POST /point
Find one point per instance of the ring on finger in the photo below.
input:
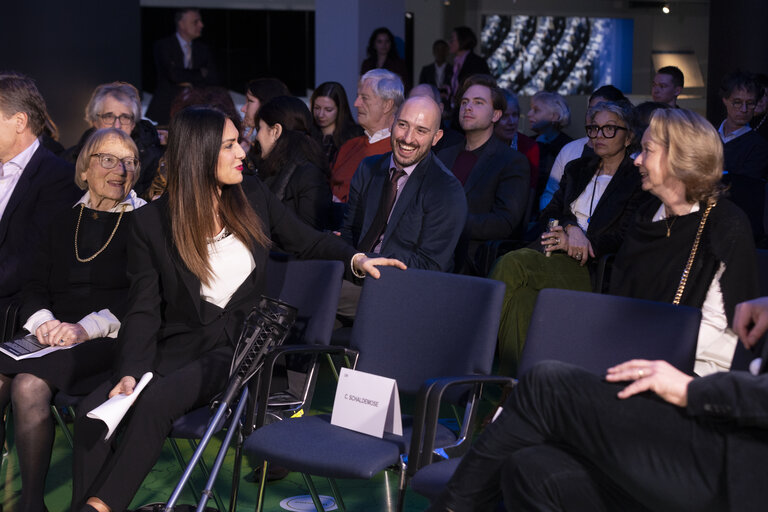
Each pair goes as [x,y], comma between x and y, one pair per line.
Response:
[61,341]
[640,374]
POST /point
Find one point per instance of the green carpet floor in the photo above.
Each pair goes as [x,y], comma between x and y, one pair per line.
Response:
[379,494]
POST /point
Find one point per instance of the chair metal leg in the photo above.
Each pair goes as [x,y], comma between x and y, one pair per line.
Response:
[63,425]
[337,494]
[403,484]
[262,485]
[313,492]
[333,367]
[183,465]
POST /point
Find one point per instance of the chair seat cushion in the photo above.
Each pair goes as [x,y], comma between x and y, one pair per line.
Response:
[430,480]
[194,424]
[312,445]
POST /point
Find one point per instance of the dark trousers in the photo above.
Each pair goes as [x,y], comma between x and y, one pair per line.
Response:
[566,442]
[113,470]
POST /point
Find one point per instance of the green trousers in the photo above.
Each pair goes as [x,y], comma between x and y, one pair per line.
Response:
[526,272]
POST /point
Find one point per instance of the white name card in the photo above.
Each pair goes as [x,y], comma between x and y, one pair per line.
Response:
[367,403]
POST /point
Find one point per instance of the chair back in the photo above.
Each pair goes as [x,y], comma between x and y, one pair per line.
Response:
[597,331]
[417,324]
[312,287]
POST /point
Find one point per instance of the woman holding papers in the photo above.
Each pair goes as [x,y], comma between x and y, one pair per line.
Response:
[196,264]
[78,294]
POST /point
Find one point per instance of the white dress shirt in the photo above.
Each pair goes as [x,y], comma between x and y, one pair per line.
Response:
[10,173]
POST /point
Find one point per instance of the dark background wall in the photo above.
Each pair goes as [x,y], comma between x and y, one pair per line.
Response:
[247,44]
[69,48]
[737,39]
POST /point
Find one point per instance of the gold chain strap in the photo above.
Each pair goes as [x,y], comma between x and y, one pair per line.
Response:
[77,232]
[687,271]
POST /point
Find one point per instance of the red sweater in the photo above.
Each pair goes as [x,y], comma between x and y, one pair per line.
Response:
[348,160]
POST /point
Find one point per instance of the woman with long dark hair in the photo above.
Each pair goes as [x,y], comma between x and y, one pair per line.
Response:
[196,263]
[333,118]
[291,161]
[382,53]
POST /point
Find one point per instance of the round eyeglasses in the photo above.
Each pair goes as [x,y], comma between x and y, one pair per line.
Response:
[108,161]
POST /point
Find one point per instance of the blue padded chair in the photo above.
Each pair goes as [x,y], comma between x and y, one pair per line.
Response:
[312,287]
[595,332]
[410,326]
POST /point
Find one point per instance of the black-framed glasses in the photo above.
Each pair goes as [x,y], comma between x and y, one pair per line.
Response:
[109,161]
[109,118]
[608,130]
[738,104]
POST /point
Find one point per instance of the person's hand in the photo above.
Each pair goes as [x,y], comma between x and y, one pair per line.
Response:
[750,321]
[124,387]
[43,332]
[658,376]
[64,335]
[365,265]
[578,245]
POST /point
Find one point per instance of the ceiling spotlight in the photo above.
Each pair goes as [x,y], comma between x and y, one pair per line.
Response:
[665,9]
[446,2]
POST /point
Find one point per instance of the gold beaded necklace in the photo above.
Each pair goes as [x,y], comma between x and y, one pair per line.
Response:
[111,236]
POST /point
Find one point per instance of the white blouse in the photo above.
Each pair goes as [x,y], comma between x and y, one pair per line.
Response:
[584,205]
[231,262]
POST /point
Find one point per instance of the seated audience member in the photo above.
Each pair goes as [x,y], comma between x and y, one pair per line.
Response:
[181,61]
[50,137]
[681,164]
[379,95]
[118,105]
[667,85]
[196,264]
[576,148]
[257,93]
[291,163]
[35,185]
[650,438]
[333,118]
[594,204]
[450,136]
[78,292]
[745,152]
[548,115]
[466,62]
[506,130]
[382,54]
[644,111]
[439,72]
[761,109]
[405,204]
[495,177]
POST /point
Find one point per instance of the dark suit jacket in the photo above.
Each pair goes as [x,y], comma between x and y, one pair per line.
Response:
[428,75]
[45,188]
[736,403]
[612,214]
[168,324]
[304,188]
[169,66]
[496,190]
[427,218]
[473,65]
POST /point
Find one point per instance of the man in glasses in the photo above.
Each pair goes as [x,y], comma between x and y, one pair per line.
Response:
[744,150]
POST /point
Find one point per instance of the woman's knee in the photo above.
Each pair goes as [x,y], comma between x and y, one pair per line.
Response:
[29,390]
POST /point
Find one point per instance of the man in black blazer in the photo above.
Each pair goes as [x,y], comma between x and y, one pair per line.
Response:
[180,60]
[439,72]
[651,438]
[495,177]
[34,184]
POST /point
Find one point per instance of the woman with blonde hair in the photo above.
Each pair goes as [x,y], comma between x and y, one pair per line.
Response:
[689,245]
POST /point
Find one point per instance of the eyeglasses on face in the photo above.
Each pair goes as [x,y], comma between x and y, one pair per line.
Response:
[108,161]
[109,118]
[608,130]
[738,104]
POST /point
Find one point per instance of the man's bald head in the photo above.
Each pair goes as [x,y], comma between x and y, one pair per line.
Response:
[415,130]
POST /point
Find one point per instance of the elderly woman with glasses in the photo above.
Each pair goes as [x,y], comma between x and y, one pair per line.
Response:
[118,105]
[74,301]
[596,200]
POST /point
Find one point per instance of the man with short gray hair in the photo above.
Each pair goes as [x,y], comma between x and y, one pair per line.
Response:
[379,95]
